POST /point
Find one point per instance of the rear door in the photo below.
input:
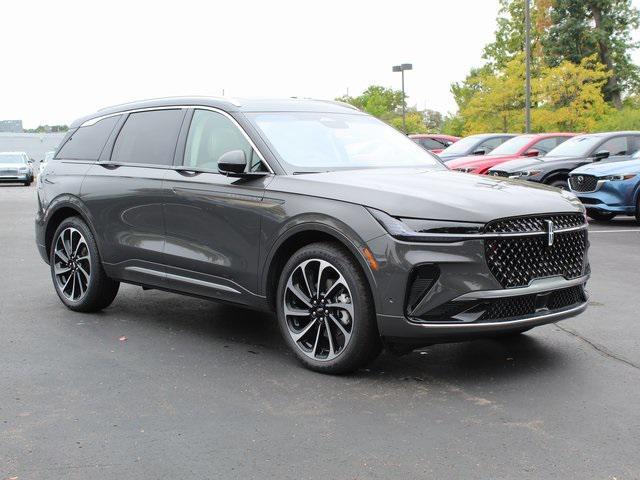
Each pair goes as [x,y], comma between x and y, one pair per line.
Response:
[213,221]
[124,194]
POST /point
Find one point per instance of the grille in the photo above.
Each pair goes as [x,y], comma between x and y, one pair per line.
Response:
[8,173]
[515,261]
[505,308]
[534,223]
[583,183]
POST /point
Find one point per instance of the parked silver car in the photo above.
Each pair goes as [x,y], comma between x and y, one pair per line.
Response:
[16,167]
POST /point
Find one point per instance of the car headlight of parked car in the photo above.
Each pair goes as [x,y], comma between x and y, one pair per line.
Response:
[618,178]
[525,174]
[23,170]
[464,169]
[424,230]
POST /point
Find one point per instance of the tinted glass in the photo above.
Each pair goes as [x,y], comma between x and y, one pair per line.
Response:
[512,146]
[148,138]
[430,143]
[615,146]
[329,141]
[463,146]
[548,144]
[86,143]
[211,135]
[576,147]
[489,145]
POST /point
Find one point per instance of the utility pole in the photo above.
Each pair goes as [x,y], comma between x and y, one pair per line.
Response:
[527,63]
[401,68]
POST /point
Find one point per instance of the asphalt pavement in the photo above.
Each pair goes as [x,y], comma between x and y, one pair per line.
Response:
[163,386]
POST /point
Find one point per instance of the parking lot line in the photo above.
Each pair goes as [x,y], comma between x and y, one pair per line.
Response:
[636,230]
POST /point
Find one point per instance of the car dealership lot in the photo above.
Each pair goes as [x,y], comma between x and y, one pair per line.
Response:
[202,390]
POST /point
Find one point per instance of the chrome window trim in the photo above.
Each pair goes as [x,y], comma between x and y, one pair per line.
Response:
[92,121]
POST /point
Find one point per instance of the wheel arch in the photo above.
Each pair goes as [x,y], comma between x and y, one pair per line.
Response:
[556,175]
[61,209]
[300,236]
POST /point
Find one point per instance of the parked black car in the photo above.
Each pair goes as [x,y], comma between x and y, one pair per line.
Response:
[352,233]
[481,144]
[553,169]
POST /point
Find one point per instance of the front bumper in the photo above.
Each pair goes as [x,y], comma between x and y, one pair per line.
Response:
[613,197]
[15,177]
[463,279]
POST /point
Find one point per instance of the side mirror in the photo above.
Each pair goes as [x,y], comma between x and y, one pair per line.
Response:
[480,151]
[601,155]
[30,161]
[532,153]
[234,164]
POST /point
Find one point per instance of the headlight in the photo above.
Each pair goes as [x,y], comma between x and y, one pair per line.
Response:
[618,178]
[23,170]
[464,169]
[525,174]
[422,230]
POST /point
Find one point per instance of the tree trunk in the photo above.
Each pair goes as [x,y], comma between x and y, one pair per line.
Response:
[612,88]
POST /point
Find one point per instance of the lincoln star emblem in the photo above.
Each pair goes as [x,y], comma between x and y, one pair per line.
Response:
[549,233]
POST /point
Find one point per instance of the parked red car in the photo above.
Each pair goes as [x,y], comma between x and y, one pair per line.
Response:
[434,142]
[529,145]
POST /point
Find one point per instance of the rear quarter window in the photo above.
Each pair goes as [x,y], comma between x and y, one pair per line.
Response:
[86,143]
[148,138]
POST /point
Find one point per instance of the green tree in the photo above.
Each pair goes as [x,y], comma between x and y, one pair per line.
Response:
[581,28]
[414,121]
[378,101]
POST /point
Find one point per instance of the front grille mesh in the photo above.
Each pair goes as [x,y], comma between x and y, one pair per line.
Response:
[515,261]
[534,223]
[583,183]
[525,305]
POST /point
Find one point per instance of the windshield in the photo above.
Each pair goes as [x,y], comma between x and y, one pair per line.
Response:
[512,146]
[575,147]
[16,158]
[324,141]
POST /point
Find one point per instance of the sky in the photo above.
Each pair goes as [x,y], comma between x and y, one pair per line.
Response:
[64,59]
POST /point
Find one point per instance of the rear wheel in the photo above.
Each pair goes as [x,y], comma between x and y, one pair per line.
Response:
[325,310]
[76,269]
[600,216]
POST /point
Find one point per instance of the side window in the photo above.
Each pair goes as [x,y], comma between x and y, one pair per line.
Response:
[148,138]
[634,144]
[544,146]
[211,135]
[86,143]
[430,143]
[492,143]
[615,146]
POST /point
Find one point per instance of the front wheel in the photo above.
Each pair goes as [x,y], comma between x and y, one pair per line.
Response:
[600,216]
[76,269]
[325,310]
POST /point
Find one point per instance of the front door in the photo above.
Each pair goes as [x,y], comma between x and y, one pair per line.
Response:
[212,221]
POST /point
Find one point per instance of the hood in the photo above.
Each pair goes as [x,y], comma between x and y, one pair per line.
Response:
[12,166]
[609,168]
[480,161]
[435,194]
[532,162]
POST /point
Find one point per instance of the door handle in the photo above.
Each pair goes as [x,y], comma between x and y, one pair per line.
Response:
[186,172]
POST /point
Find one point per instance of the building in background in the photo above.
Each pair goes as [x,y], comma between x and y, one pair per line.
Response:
[34,144]
[12,126]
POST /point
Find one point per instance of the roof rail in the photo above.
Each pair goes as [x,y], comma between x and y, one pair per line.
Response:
[231,100]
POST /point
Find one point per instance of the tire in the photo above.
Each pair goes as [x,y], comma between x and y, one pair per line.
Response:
[638,210]
[347,311]
[562,184]
[76,269]
[600,216]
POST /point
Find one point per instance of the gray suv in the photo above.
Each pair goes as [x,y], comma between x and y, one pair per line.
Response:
[354,235]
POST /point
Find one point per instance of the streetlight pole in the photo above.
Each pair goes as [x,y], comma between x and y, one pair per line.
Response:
[401,68]
[527,63]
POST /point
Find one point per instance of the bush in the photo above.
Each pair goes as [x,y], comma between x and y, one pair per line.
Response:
[626,119]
